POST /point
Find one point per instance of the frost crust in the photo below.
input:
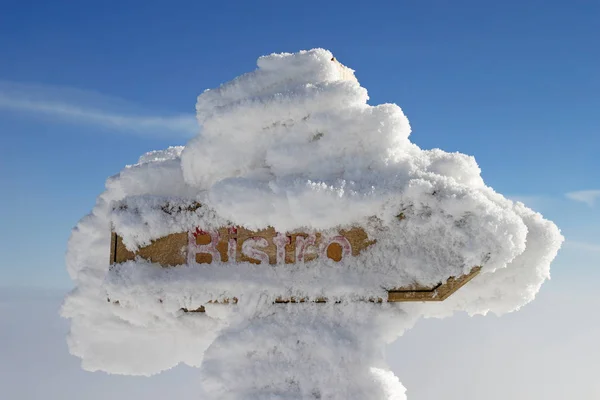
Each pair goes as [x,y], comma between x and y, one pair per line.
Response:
[294,145]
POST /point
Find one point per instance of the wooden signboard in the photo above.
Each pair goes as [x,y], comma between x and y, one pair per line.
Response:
[238,244]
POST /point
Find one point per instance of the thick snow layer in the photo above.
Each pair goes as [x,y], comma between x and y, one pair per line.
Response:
[294,145]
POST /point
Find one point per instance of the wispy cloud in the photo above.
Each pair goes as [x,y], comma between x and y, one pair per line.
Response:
[583,246]
[83,107]
[588,197]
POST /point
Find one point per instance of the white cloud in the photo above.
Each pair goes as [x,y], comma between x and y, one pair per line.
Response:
[35,362]
[84,107]
[543,352]
[588,197]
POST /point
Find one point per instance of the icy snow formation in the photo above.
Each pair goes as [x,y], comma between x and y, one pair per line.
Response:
[294,145]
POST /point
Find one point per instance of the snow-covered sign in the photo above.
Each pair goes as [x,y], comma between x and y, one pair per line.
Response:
[307,193]
[236,244]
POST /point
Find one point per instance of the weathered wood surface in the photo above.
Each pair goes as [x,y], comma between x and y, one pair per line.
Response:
[227,244]
[166,251]
[238,244]
[438,293]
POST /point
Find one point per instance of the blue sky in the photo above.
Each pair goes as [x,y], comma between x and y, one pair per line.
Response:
[85,88]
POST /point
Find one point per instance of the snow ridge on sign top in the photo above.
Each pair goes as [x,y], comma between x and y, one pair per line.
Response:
[294,146]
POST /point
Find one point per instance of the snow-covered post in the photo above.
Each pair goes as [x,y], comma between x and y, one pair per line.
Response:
[306,351]
[296,191]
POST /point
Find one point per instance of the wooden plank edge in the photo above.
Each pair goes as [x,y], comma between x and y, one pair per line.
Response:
[113,248]
[439,293]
